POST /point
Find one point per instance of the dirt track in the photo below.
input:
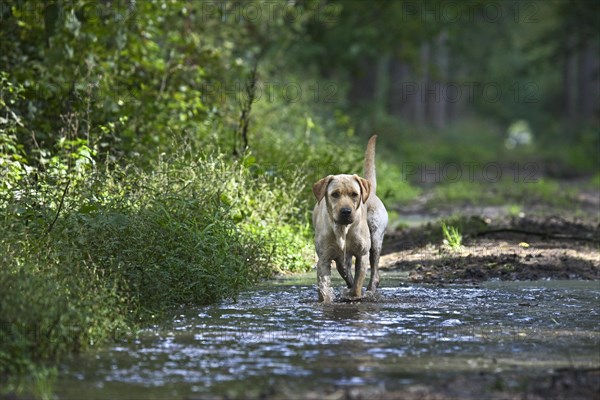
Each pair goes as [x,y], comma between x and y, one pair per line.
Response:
[542,243]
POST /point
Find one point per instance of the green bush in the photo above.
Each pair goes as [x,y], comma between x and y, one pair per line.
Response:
[86,260]
[53,301]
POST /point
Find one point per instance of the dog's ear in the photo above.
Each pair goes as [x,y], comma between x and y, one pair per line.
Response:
[365,187]
[320,188]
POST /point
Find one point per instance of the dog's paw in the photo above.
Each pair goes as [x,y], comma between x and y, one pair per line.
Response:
[350,299]
[326,295]
[372,296]
[348,295]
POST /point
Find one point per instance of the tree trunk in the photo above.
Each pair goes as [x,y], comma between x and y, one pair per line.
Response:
[420,100]
[589,95]
[402,89]
[439,106]
[363,82]
[382,88]
[570,83]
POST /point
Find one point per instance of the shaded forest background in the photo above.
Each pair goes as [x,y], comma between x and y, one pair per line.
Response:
[137,72]
[158,153]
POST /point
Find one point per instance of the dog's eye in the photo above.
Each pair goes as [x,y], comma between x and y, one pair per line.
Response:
[354,195]
[335,195]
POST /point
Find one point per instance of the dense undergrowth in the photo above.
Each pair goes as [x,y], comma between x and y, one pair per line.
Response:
[104,249]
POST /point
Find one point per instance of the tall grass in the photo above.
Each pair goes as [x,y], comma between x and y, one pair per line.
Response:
[121,246]
[452,237]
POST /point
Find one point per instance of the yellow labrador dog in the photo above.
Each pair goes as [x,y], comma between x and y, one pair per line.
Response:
[349,221]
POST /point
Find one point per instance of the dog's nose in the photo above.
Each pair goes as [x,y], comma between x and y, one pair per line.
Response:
[346,212]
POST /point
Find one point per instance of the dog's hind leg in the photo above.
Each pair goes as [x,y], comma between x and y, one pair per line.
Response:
[344,267]
[374,254]
[374,260]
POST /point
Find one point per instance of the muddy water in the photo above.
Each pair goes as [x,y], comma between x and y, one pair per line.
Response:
[278,336]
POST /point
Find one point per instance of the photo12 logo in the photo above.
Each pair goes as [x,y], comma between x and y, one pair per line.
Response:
[454,92]
[271,91]
[93,90]
[471,172]
[449,12]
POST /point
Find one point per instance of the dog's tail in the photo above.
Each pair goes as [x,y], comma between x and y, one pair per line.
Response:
[370,163]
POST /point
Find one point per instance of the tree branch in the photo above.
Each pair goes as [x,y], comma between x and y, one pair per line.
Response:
[62,200]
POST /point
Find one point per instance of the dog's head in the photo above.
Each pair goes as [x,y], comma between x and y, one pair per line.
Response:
[343,195]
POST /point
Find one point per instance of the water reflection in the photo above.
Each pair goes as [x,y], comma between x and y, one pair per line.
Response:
[410,334]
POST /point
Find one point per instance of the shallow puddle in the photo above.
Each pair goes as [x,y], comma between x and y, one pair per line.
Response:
[279,335]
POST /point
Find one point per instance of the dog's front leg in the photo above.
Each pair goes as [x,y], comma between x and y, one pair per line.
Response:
[344,267]
[359,275]
[324,280]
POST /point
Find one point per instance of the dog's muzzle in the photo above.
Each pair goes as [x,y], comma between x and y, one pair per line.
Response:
[345,216]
